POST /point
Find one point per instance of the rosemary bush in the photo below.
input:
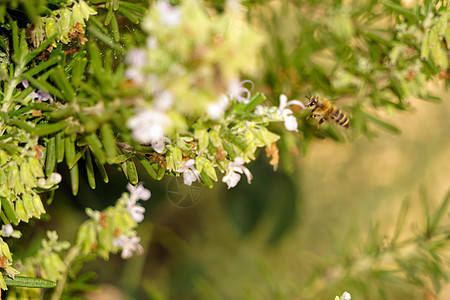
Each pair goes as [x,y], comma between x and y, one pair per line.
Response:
[191,89]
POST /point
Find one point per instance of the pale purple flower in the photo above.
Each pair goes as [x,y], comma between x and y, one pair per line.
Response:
[135,210]
[160,144]
[190,173]
[136,75]
[290,122]
[138,192]
[128,245]
[216,110]
[148,126]
[236,90]
[151,42]
[163,100]
[136,57]
[40,95]
[7,230]
[234,171]
[25,83]
[346,296]
[169,15]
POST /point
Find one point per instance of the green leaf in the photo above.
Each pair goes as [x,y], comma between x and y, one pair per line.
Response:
[59,76]
[109,142]
[44,65]
[130,15]
[400,220]
[78,71]
[69,143]
[132,174]
[74,60]
[96,146]
[50,160]
[401,11]
[206,180]
[115,29]
[10,148]
[146,164]
[62,113]
[120,158]
[381,123]
[29,282]
[49,128]
[21,124]
[59,147]
[102,170]
[15,40]
[442,210]
[89,169]
[74,179]
[9,210]
[105,39]
[133,7]
[161,172]
[109,15]
[255,100]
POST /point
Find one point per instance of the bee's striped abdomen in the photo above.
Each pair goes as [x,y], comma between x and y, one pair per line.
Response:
[339,117]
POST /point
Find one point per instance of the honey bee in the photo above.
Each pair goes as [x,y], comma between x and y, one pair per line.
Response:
[322,109]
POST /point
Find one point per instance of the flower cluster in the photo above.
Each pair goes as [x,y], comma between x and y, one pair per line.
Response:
[115,228]
[345,296]
[188,81]
[66,23]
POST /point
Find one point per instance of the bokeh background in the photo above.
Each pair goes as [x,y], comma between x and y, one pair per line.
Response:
[276,238]
[289,234]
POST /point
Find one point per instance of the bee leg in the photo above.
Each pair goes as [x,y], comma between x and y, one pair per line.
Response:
[320,123]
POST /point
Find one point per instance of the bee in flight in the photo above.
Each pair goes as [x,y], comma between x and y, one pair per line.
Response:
[321,108]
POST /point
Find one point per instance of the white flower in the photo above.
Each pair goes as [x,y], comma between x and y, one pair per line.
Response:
[136,57]
[346,296]
[7,230]
[234,170]
[128,245]
[136,75]
[236,90]
[160,144]
[216,110]
[163,100]
[290,122]
[169,15]
[135,210]
[138,192]
[148,126]
[151,42]
[55,178]
[259,110]
[190,173]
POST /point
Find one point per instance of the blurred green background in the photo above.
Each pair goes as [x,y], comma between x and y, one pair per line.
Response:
[290,233]
[271,239]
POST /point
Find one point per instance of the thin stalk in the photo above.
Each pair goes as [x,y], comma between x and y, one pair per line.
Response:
[12,85]
[71,255]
